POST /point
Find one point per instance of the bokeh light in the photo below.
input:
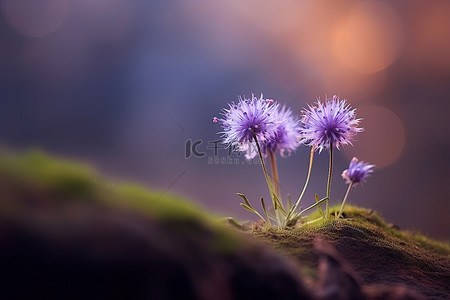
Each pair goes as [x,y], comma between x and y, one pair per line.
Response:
[108,19]
[383,139]
[35,18]
[431,38]
[123,84]
[368,39]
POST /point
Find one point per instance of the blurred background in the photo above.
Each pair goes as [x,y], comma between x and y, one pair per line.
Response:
[131,87]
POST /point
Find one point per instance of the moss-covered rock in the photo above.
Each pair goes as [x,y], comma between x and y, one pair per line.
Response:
[65,233]
[378,252]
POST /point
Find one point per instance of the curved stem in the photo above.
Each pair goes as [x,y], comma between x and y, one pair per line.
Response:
[277,205]
[313,205]
[266,174]
[311,158]
[273,164]
[345,199]
[330,171]
[314,221]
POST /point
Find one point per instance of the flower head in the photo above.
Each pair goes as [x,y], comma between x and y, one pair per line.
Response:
[249,119]
[285,139]
[287,134]
[357,171]
[331,123]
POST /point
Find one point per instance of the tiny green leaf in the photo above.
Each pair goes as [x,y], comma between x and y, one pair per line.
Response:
[265,212]
[247,207]
[245,199]
[320,207]
[278,206]
[314,205]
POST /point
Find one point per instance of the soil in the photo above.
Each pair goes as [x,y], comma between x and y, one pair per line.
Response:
[377,252]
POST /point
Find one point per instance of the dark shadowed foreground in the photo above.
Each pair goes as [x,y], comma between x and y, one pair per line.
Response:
[67,234]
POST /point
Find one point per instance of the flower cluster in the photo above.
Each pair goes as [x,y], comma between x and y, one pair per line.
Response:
[274,127]
[329,124]
[284,140]
[249,119]
[259,126]
[287,134]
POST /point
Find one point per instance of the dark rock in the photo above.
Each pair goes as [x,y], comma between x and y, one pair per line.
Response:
[66,236]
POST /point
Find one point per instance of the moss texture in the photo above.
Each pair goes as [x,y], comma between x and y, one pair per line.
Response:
[52,182]
[379,252]
[66,233]
[69,233]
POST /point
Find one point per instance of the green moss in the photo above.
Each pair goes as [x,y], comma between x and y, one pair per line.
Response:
[158,204]
[365,240]
[179,212]
[57,182]
[38,170]
[370,219]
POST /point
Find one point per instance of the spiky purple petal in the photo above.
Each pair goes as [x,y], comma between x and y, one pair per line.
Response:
[287,135]
[330,123]
[285,140]
[247,119]
[357,171]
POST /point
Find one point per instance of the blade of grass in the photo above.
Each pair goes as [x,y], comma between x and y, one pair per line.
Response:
[265,212]
[314,205]
[320,207]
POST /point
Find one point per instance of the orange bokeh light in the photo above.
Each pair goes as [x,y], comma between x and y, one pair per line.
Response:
[431,37]
[383,139]
[368,39]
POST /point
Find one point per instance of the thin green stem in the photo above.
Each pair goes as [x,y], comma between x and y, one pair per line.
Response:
[345,199]
[313,205]
[330,171]
[259,215]
[273,164]
[314,221]
[311,159]
[265,212]
[268,180]
[263,164]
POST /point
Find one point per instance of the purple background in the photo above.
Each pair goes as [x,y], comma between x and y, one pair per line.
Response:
[123,84]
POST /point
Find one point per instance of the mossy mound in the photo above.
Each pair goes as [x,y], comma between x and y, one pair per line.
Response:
[378,252]
[65,233]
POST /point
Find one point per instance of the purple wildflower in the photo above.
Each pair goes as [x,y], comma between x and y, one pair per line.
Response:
[285,140]
[287,135]
[330,123]
[357,171]
[249,119]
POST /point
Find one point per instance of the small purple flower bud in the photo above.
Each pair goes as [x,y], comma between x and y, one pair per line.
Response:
[357,171]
